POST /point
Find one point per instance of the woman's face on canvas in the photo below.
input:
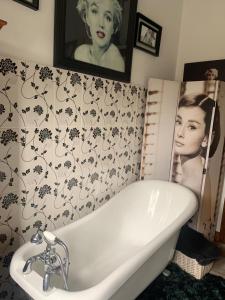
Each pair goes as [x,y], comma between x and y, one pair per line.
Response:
[100,19]
[211,75]
[190,130]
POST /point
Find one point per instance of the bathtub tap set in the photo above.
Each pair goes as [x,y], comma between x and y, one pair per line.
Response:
[52,261]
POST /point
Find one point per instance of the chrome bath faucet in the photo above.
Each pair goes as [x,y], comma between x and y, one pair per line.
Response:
[52,261]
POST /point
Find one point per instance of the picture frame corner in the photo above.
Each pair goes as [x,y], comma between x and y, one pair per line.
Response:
[33,4]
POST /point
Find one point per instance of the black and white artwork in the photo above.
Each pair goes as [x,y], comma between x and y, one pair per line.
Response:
[196,146]
[205,70]
[95,36]
[193,139]
[148,35]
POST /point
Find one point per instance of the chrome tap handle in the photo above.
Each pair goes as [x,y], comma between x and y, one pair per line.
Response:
[37,238]
[49,238]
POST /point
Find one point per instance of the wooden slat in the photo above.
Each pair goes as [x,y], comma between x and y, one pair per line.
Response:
[222,229]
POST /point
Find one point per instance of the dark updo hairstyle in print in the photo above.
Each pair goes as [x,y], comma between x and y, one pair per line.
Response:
[206,104]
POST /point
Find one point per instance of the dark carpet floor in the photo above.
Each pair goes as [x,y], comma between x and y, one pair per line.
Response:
[180,285]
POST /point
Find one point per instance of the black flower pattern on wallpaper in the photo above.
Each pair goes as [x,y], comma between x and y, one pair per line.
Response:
[93,113]
[3,238]
[112,113]
[8,136]
[130,130]
[75,79]
[91,159]
[127,169]
[110,157]
[45,73]
[72,183]
[112,172]
[67,164]
[44,190]
[37,224]
[129,114]
[8,200]
[45,134]
[69,111]
[133,90]
[115,131]
[94,177]
[52,173]
[66,213]
[38,109]
[7,260]
[96,132]
[38,169]
[74,133]
[7,66]
[2,108]
[99,84]
[117,87]
[2,176]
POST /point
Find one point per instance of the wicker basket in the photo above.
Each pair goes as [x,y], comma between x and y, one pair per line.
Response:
[190,265]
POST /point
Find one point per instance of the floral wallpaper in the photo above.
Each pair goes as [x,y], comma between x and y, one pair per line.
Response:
[68,143]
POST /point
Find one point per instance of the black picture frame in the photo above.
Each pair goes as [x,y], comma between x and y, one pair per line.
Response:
[70,33]
[204,70]
[33,4]
[147,35]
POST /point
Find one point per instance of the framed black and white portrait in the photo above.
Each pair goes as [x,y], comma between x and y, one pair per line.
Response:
[205,70]
[95,37]
[148,35]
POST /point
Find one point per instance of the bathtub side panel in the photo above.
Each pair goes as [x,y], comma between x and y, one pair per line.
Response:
[148,272]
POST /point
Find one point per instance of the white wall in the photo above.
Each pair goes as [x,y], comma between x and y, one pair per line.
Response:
[168,15]
[202,33]
[29,35]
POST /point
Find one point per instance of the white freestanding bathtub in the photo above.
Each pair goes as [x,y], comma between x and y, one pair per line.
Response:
[117,250]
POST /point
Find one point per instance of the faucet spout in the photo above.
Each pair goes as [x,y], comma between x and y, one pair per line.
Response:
[28,265]
[46,281]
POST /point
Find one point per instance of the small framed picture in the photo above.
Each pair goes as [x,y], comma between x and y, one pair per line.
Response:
[148,35]
[95,37]
[33,4]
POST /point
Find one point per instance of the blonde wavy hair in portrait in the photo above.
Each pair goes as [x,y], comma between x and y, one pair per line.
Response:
[82,7]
